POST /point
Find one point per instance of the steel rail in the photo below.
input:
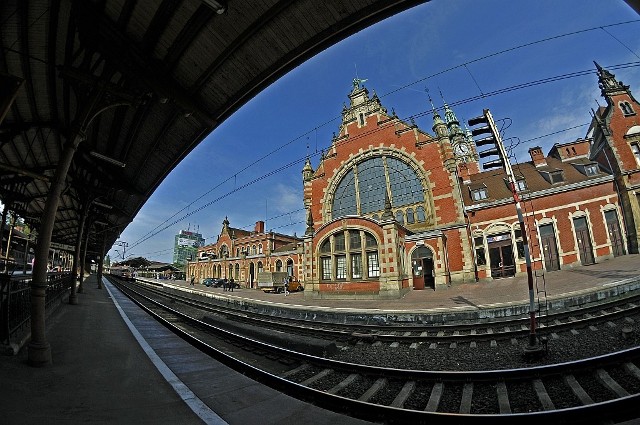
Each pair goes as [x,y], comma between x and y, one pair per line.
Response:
[621,408]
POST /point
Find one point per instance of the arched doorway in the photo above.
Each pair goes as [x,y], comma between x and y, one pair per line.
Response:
[422,268]
[251,275]
[290,267]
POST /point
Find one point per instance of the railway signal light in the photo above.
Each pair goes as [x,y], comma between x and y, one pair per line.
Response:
[492,139]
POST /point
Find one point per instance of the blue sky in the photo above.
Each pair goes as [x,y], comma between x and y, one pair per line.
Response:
[449,47]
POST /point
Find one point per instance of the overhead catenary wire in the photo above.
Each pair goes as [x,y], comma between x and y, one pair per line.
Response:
[163,225]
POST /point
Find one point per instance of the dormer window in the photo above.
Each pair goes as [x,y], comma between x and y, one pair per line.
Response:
[556,177]
[626,108]
[479,194]
[521,185]
[361,117]
[591,169]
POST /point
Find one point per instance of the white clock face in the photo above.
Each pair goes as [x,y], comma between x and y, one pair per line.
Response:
[461,149]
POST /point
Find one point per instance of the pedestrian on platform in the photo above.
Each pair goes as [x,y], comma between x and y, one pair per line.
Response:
[231,285]
[224,284]
[286,286]
[193,280]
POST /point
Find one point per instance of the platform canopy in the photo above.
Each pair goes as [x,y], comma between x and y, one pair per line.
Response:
[137,84]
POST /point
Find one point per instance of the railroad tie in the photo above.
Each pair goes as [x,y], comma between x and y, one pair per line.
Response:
[434,398]
[345,383]
[467,394]
[543,395]
[578,390]
[404,394]
[292,372]
[317,377]
[606,380]
[503,398]
[632,369]
[377,386]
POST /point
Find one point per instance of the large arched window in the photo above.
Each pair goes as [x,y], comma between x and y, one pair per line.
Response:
[349,255]
[362,189]
[278,266]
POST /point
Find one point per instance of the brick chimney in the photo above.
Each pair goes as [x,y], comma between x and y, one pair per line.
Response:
[259,227]
[537,157]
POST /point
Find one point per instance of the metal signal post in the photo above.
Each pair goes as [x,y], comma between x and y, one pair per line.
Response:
[498,149]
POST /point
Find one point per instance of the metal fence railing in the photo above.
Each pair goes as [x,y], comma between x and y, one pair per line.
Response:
[15,301]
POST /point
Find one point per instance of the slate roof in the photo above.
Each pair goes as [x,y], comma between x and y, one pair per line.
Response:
[495,180]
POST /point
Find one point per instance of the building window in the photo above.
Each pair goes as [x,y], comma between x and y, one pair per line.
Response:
[521,185]
[591,169]
[481,260]
[237,273]
[626,108]
[338,242]
[410,218]
[341,267]
[372,262]
[420,214]
[480,194]
[326,268]
[260,249]
[371,178]
[326,246]
[635,148]
[556,177]
[356,266]
[517,233]
[278,266]
[345,262]
[354,239]
[400,217]
[260,267]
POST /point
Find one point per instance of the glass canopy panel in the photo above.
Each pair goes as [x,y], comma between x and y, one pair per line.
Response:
[372,185]
[344,201]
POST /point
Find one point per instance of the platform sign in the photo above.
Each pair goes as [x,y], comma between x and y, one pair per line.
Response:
[61,246]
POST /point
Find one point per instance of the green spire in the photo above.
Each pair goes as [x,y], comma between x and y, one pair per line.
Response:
[437,119]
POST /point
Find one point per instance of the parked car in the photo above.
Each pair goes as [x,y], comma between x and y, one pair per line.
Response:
[208,281]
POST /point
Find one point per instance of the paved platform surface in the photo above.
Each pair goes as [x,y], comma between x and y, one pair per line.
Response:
[106,371]
[484,294]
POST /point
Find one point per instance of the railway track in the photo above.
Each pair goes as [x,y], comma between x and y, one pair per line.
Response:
[602,389]
[456,333]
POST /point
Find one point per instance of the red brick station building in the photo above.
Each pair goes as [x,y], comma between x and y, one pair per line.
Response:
[391,207]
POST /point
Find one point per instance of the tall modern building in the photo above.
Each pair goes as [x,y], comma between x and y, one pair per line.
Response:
[186,245]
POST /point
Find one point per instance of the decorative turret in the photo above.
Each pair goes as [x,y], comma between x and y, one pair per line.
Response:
[310,230]
[608,84]
[387,214]
[307,171]
[452,121]
[360,105]
[225,225]
[439,127]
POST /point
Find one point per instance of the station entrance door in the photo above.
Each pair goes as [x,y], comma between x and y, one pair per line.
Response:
[423,269]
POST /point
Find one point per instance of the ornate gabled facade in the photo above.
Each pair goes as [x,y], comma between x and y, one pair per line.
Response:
[391,207]
[616,146]
[241,255]
[384,207]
